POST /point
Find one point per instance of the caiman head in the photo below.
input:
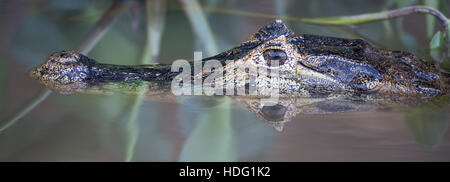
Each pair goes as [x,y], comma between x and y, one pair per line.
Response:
[326,67]
[314,66]
[308,66]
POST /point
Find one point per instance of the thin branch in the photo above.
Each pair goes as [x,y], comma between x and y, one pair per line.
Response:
[419,9]
[102,26]
[347,20]
[372,17]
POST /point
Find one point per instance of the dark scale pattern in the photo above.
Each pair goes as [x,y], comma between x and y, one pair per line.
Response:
[402,72]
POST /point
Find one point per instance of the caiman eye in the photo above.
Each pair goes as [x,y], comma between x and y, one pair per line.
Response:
[275,54]
[273,113]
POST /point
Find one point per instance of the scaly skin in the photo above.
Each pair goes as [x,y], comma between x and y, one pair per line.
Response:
[311,67]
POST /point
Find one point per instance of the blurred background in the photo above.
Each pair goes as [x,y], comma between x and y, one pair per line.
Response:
[93,127]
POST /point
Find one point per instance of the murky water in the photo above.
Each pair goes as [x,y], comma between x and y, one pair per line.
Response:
[92,127]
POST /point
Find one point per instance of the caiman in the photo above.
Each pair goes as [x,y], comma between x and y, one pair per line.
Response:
[316,74]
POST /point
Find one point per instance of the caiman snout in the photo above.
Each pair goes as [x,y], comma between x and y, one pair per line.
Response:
[64,71]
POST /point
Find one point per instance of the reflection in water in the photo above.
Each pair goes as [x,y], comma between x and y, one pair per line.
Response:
[429,122]
[214,129]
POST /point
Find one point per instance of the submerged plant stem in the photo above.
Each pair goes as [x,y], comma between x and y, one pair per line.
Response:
[27,108]
[131,127]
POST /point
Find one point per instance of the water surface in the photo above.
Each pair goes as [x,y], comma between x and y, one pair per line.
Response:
[89,127]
